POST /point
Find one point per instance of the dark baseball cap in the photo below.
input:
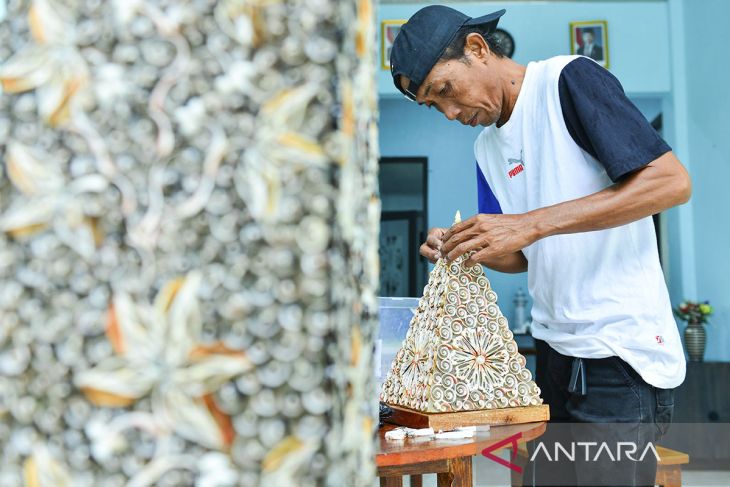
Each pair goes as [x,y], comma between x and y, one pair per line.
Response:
[423,39]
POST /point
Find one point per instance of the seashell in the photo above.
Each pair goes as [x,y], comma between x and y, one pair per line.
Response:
[316,402]
[291,405]
[48,419]
[305,375]
[50,22]
[264,403]
[28,173]
[227,399]
[56,98]
[216,469]
[290,347]
[245,425]
[26,70]
[27,218]
[110,86]
[271,432]
[23,409]
[42,469]
[154,52]
[320,50]
[273,374]
[14,361]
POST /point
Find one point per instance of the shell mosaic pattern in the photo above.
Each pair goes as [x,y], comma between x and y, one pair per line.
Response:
[188,228]
[459,353]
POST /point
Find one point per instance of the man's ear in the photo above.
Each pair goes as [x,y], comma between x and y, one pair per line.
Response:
[475,45]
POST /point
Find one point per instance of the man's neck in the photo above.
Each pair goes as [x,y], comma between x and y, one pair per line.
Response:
[514,75]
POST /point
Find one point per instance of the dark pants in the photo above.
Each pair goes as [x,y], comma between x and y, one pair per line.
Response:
[618,407]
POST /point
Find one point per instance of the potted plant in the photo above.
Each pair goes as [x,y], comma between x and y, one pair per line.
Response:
[695,338]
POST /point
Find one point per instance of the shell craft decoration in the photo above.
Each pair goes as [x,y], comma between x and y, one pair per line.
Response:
[459,353]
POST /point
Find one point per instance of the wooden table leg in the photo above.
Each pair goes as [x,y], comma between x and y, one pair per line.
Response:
[459,474]
[669,476]
[391,481]
[416,480]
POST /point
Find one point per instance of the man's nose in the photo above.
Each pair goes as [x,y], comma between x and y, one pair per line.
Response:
[452,113]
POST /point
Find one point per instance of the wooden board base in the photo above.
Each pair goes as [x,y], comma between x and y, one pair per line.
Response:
[448,421]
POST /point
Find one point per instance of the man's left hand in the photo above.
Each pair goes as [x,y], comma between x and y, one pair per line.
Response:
[489,236]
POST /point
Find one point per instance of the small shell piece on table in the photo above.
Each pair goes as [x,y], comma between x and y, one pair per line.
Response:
[454,435]
[396,434]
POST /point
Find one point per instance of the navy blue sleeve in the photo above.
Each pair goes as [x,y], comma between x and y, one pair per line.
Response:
[604,122]
[487,201]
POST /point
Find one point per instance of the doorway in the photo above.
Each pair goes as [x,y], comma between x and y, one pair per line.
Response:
[404,196]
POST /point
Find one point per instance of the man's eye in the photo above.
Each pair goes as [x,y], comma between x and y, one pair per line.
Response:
[444,90]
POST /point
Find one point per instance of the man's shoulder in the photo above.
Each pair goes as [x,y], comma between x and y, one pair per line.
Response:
[480,143]
[551,73]
[552,67]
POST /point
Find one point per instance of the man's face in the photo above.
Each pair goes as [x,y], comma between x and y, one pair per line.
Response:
[587,37]
[467,90]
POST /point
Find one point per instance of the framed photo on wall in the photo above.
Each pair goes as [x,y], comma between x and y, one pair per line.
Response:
[590,38]
[388,30]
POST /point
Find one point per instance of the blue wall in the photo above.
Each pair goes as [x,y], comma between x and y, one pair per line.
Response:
[409,130]
[708,127]
[683,75]
[638,36]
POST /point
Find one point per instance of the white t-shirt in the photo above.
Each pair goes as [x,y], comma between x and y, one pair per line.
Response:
[596,294]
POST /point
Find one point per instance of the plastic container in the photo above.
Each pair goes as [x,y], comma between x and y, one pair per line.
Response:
[395,317]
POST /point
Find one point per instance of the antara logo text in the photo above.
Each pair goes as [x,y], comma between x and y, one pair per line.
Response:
[594,450]
[589,450]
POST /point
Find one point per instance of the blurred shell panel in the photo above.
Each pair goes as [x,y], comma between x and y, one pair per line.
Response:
[188,228]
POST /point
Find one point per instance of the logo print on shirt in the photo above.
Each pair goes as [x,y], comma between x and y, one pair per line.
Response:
[518,168]
[659,340]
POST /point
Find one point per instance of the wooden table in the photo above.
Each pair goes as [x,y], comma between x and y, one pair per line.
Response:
[450,460]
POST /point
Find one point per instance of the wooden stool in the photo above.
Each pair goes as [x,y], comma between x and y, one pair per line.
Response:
[668,469]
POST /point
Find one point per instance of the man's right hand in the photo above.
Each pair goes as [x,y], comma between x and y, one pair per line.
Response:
[431,248]
[510,263]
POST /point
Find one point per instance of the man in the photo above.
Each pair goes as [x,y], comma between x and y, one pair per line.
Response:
[589,48]
[569,173]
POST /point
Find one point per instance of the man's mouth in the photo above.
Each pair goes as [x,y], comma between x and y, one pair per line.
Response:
[473,121]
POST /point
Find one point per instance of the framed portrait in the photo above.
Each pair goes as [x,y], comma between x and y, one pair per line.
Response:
[388,30]
[590,38]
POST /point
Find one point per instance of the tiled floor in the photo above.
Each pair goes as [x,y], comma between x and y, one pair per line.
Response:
[702,478]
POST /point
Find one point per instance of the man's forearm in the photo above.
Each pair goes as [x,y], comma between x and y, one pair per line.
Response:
[659,185]
[511,263]
[664,179]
